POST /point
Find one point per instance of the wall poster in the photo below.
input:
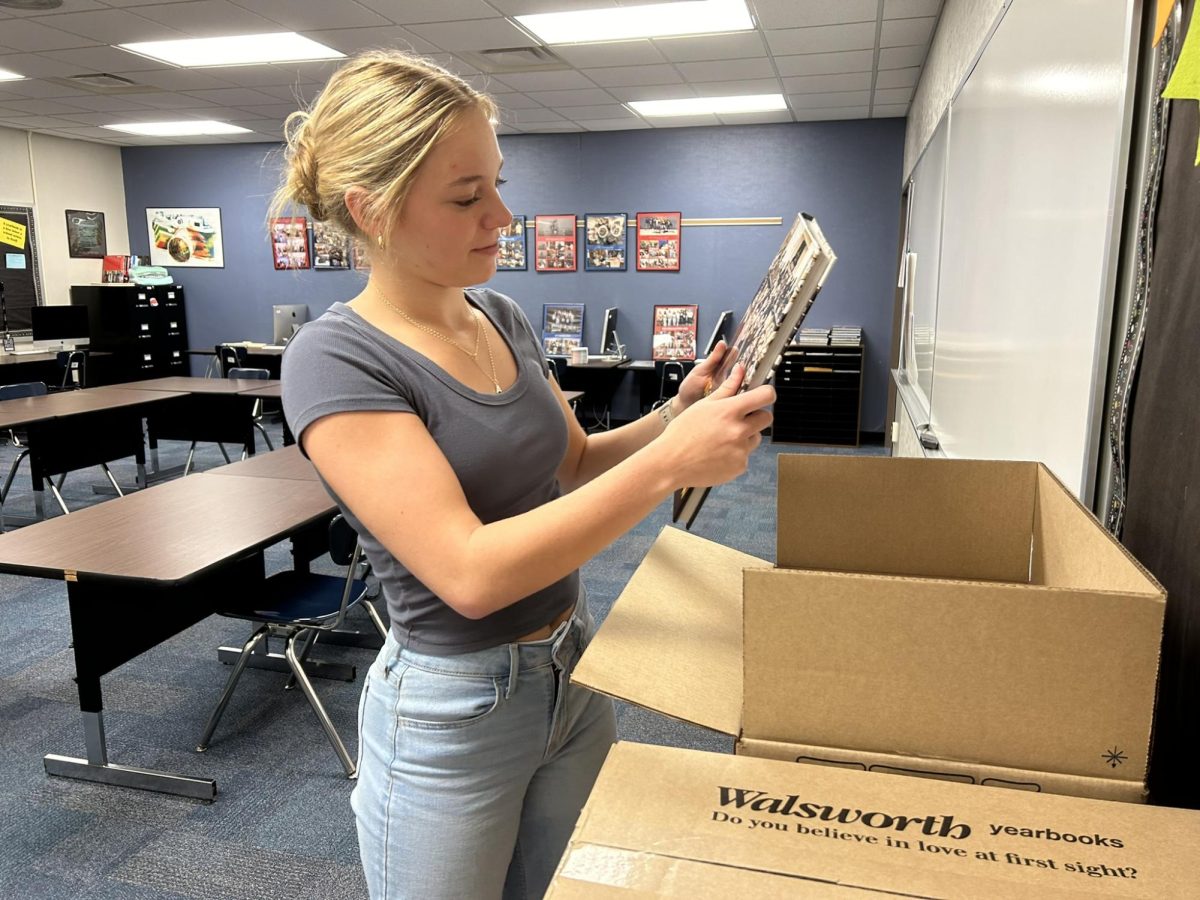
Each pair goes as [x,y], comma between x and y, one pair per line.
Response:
[331,246]
[562,328]
[185,236]
[604,242]
[554,241]
[85,234]
[511,256]
[674,332]
[289,242]
[658,241]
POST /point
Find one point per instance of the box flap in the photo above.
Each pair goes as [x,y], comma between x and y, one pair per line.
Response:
[936,518]
[1072,549]
[1012,675]
[910,836]
[673,640]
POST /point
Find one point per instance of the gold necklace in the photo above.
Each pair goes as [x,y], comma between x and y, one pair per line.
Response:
[479,329]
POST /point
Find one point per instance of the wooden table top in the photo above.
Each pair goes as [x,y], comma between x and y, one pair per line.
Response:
[27,410]
[196,385]
[267,390]
[167,533]
[599,362]
[12,359]
[572,396]
[287,463]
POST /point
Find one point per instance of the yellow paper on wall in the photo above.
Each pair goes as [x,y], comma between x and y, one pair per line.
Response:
[1162,14]
[1185,80]
[12,233]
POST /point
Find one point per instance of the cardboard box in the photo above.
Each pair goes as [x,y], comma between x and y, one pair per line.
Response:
[667,822]
[952,618]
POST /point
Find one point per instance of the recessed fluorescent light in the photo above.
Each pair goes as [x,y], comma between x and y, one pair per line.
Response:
[697,106]
[238,50]
[625,23]
[6,75]
[169,129]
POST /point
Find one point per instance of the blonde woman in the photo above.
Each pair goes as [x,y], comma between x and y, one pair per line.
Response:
[427,409]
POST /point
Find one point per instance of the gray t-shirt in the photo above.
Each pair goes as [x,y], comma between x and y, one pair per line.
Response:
[505,449]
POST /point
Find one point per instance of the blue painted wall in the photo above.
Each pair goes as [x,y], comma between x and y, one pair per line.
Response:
[847,174]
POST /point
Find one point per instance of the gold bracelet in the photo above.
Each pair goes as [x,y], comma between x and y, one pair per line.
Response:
[666,412]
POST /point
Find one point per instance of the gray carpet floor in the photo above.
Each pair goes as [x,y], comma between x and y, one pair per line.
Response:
[281,826]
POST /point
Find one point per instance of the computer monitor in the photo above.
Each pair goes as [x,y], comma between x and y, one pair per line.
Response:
[287,318]
[59,323]
[721,332]
[609,342]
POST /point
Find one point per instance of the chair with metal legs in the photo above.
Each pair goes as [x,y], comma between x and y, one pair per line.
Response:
[255,413]
[298,606]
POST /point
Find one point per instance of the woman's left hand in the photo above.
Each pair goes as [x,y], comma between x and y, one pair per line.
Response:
[696,384]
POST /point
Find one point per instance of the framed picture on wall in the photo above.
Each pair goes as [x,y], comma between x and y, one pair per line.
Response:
[185,236]
[562,328]
[331,246]
[511,256]
[674,332]
[85,234]
[658,241]
[289,242]
[554,243]
[604,240]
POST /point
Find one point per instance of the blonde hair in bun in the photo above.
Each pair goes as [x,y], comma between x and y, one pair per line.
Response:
[372,125]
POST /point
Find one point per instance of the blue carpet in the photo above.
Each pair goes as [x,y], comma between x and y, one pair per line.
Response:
[281,826]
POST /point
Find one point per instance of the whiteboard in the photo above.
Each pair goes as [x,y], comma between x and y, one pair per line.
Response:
[1033,201]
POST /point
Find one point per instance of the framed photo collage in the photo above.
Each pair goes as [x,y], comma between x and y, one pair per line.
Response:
[604,243]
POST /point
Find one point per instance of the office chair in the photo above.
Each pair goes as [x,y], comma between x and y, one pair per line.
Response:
[229,357]
[298,606]
[669,380]
[74,368]
[255,414]
[556,365]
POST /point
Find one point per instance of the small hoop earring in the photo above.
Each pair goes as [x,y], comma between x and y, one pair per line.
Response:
[379,241]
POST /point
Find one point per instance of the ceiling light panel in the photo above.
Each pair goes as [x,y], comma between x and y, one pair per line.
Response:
[630,22]
[236,50]
[170,129]
[697,106]
[6,75]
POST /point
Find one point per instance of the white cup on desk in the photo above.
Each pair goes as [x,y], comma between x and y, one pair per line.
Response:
[579,355]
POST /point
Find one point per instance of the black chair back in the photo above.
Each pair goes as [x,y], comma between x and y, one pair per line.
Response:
[257,374]
[23,389]
[230,357]
[342,540]
[74,366]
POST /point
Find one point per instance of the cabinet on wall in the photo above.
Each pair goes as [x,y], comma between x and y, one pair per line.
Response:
[818,395]
[143,326]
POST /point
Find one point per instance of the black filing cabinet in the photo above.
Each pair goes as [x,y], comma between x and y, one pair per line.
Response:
[818,394]
[143,326]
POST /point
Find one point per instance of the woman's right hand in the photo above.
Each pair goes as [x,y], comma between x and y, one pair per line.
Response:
[710,442]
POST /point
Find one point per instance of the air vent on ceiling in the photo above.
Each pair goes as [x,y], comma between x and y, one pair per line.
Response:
[32,4]
[102,83]
[514,59]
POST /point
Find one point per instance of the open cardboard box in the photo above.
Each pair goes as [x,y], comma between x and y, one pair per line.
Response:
[683,823]
[956,619]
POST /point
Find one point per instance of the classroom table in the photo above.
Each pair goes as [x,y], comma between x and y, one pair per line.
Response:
[142,568]
[597,381]
[273,390]
[287,463]
[72,430]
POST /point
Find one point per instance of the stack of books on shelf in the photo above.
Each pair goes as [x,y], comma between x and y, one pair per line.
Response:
[845,336]
[813,337]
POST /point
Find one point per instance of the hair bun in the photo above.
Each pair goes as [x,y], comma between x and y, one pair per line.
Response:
[302,170]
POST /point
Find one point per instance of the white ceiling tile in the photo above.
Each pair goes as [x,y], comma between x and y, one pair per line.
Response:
[475,34]
[515,101]
[114,26]
[69,6]
[902,57]
[524,117]
[34,65]
[613,124]
[42,107]
[32,37]
[684,121]
[551,127]
[889,111]
[272,75]
[278,111]
[823,39]
[27,123]
[603,112]
[504,128]
[825,115]
[585,97]
[165,100]
[135,3]
[737,88]
[304,15]
[906,32]
[208,18]
[726,70]
[653,92]
[737,45]
[103,59]
[893,96]
[634,75]
[821,101]
[619,53]
[233,96]
[895,78]
[793,14]
[826,63]
[546,81]
[183,79]
[102,102]
[909,9]
[409,12]
[756,118]
[531,7]
[816,84]
[352,40]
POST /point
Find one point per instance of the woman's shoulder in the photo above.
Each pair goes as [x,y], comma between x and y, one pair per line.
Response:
[502,308]
[336,336]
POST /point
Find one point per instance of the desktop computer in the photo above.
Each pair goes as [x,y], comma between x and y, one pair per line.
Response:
[287,318]
[58,327]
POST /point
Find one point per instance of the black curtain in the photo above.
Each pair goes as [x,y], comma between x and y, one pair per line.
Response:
[1162,519]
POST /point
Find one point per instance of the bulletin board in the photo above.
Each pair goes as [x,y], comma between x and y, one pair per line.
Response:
[19,269]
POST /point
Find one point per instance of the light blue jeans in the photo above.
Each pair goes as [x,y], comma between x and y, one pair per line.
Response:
[473,768]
